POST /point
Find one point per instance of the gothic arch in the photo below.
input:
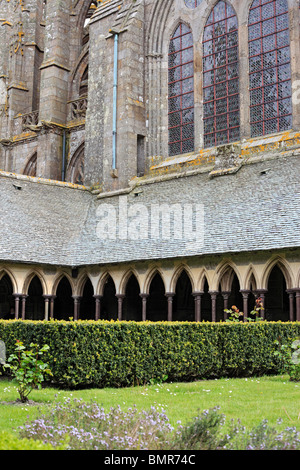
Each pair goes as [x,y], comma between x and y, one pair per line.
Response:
[158,34]
[125,278]
[31,166]
[160,14]
[251,278]
[75,170]
[78,72]
[221,76]
[83,7]
[224,274]
[81,282]
[181,103]
[102,281]
[210,8]
[5,271]
[57,280]
[284,267]
[204,277]
[149,278]
[177,274]
[30,277]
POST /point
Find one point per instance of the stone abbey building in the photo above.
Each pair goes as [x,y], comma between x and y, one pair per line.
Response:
[150,159]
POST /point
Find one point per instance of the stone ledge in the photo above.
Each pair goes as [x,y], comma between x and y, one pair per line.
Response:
[49,182]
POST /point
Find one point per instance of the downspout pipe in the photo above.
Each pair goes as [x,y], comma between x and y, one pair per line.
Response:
[115,94]
[63,176]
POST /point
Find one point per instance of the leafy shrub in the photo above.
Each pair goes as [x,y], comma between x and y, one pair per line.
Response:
[118,354]
[27,369]
[10,442]
[289,356]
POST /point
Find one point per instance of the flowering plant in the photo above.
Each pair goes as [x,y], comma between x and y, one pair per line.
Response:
[258,307]
[234,314]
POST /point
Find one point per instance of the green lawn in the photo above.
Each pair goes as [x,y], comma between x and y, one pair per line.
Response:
[251,400]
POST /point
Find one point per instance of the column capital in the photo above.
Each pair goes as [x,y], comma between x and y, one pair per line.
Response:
[213,293]
[144,295]
[197,293]
[170,294]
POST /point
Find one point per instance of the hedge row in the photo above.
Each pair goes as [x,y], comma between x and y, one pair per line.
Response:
[118,354]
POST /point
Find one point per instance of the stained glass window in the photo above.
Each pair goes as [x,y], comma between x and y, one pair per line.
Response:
[192,3]
[181,91]
[221,77]
[270,71]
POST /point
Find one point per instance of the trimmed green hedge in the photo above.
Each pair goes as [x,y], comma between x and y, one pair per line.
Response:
[118,354]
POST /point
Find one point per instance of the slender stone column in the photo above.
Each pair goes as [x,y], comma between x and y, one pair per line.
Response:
[291,294]
[98,299]
[17,305]
[120,298]
[47,300]
[245,294]
[52,298]
[77,299]
[24,297]
[213,295]
[297,304]
[170,296]
[144,298]
[225,296]
[197,297]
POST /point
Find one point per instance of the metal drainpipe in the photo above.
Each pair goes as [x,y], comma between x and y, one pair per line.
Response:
[116,40]
[63,156]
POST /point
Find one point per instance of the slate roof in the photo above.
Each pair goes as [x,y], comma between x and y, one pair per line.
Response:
[257,208]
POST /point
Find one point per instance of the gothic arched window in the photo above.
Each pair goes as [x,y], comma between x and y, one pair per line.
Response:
[75,171]
[30,168]
[181,91]
[270,70]
[221,77]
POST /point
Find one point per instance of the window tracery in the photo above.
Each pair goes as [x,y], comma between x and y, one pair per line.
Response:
[221,77]
[192,3]
[270,71]
[181,91]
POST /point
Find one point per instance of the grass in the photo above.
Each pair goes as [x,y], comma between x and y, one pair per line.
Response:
[250,399]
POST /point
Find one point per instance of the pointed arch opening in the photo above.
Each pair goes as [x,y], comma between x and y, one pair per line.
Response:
[64,303]
[277,299]
[7,310]
[109,309]
[221,113]
[75,171]
[181,91]
[87,307]
[35,303]
[235,297]
[31,166]
[269,67]
[157,309]
[206,311]
[132,305]
[183,304]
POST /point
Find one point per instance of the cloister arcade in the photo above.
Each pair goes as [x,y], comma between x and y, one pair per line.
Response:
[180,293]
